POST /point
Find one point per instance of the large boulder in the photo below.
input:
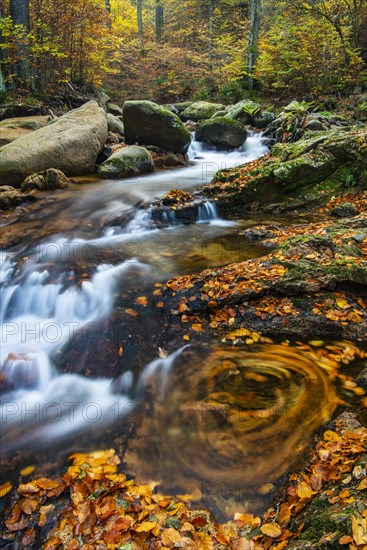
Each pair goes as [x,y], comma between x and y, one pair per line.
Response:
[13,128]
[222,132]
[71,144]
[301,175]
[148,123]
[127,162]
[201,110]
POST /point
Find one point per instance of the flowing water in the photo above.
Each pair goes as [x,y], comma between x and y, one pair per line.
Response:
[77,260]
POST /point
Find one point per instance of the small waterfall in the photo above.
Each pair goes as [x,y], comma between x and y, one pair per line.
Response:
[169,217]
[207,212]
[142,221]
[160,368]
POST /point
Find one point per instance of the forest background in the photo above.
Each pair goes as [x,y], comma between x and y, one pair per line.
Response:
[169,50]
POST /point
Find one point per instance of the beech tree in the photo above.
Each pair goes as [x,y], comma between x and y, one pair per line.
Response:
[19,12]
[255,16]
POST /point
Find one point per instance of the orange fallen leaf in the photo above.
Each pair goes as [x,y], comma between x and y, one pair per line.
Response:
[271,530]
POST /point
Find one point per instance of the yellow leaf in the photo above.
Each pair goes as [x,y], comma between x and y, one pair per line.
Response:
[146,526]
[359,530]
[271,530]
[304,491]
[5,488]
[27,471]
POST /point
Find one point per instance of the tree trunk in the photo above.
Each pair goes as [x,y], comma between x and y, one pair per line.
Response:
[19,12]
[2,59]
[159,20]
[211,26]
[108,5]
[139,7]
[255,19]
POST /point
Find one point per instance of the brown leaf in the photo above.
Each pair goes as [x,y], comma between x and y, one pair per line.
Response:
[170,537]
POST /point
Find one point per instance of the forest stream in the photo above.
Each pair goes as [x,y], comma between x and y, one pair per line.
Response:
[83,369]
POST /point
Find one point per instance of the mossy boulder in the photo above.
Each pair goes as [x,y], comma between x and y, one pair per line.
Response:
[263,119]
[150,124]
[201,110]
[45,181]
[71,144]
[221,132]
[297,175]
[127,162]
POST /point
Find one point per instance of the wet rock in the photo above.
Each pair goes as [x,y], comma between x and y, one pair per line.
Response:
[300,270]
[200,110]
[71,144]
[11,197]
[345,210]
[168,158]
[176,196]
[222,132]
[256,234]
[127,162]
[45,181]
[148,123]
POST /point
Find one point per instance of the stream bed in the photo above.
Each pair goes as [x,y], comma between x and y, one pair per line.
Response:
[82,369]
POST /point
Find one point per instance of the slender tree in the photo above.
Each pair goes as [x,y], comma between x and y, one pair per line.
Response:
[139,8]
[159,20]
[255,19]
[19,12]
[211,26]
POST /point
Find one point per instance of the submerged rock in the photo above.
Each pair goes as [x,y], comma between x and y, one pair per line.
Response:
[126,162]
[71,144]
[11,197]
[148,123]
[222,132]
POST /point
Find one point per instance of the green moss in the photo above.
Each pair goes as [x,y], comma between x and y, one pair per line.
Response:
[319,526]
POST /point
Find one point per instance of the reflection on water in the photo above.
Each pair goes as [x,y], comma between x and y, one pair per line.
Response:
[224,422]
